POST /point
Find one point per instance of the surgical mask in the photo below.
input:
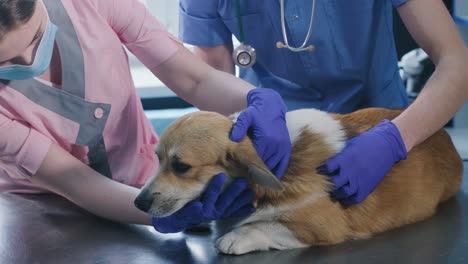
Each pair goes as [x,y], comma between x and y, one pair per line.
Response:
[41,60]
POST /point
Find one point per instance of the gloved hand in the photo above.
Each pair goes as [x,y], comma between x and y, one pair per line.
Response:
[266,116]
[235,201]
[364,161]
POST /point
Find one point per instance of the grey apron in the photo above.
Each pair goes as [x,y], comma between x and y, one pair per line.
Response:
[69,102]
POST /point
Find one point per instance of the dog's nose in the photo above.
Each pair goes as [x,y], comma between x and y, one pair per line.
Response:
[143,205]
[143,201]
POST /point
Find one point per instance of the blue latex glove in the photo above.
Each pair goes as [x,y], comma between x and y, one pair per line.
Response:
[214,204]
[266,117]
[366,159]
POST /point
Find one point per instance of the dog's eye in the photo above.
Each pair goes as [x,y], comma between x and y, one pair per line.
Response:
[180,167]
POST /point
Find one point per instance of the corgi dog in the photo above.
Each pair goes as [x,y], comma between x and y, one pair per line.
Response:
[297,211]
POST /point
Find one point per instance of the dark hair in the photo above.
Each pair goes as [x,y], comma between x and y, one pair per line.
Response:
[14,13]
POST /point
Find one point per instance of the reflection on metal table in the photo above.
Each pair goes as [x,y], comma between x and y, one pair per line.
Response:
[49,229]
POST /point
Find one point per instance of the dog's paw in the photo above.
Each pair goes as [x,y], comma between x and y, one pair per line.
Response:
[232,243]
[238,242]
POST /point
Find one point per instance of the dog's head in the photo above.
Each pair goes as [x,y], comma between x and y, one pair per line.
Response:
[191,151]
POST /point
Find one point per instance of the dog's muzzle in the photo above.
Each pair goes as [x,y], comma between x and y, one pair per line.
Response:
[144,201]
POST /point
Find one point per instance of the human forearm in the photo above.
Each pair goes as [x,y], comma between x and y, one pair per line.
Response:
[64,174]
[442,96]
[222,92]
[109,199]
[198,83]
[218,57]
[447,89]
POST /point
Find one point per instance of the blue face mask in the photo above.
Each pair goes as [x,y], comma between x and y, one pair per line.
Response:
[41,60]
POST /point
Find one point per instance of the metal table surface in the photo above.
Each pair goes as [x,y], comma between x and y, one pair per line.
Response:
[49,229]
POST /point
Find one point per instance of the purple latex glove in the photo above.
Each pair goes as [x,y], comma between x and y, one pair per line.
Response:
[214,204]
[366,159]
[266,117]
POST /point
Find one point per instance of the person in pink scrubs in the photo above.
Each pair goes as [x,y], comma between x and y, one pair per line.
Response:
[70,119]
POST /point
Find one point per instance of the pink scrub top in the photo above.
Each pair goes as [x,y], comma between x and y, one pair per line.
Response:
[95,114]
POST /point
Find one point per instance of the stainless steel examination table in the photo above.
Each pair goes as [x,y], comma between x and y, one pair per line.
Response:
[49,229]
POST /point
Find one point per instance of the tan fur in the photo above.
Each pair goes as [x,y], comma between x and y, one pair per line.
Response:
[409,193]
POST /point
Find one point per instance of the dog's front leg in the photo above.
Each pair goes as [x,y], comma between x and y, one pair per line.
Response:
[263,235]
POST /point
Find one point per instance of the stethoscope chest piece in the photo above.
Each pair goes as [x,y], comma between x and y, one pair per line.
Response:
[244,56]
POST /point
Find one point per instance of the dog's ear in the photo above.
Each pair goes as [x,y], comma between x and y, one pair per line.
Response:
[245,155]
[262,176]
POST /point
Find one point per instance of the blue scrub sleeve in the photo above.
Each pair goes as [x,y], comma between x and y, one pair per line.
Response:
[201,25]
[397,3]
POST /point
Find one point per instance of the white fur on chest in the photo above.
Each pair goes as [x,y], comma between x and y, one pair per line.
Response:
[270,213]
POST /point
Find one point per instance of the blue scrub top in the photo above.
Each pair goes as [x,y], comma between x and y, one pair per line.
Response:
[354,64]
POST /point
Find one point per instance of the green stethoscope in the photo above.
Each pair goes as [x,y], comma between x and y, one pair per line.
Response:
[245,56]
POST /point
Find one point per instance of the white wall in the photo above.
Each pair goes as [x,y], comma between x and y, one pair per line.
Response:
[460,13]
[461,8]
[166,11]
[461,17]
